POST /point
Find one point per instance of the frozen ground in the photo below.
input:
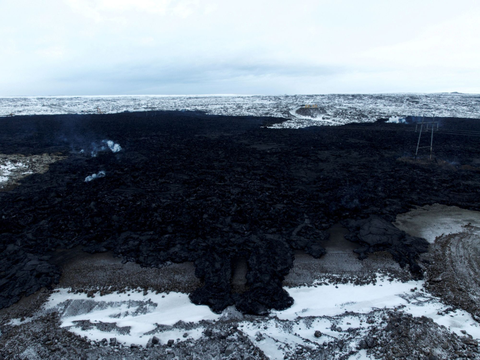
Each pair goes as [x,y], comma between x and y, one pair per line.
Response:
[332,317]
[134,317]
[330,109]
[431,222]
[14,167]
[455,235]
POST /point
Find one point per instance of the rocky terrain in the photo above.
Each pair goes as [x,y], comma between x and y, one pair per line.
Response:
[299,110]
[218,192]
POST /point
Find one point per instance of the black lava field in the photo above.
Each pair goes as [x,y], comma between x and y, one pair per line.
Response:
[212,189]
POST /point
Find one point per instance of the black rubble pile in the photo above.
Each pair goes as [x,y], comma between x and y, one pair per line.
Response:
[210,189]
[408,337]
[375,234]
[23,273]
[312,112]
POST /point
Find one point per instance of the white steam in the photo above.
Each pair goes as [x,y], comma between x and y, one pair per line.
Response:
[100,174]
[103,146]
[112,146]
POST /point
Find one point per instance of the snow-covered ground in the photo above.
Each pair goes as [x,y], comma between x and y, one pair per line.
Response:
[15,167]
[139,312]
[433,221]
[319,315]
[7,168]
[336,109]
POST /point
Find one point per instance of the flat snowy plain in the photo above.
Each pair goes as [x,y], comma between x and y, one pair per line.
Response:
[336,109]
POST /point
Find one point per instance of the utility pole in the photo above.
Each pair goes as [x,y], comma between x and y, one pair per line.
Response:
[432,125]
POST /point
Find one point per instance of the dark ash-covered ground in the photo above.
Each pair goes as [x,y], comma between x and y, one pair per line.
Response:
[215,190]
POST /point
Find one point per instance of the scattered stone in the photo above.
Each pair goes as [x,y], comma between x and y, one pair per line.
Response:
[229,350]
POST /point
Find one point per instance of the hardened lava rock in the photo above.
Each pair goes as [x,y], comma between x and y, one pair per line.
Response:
[376,234]
[184,186]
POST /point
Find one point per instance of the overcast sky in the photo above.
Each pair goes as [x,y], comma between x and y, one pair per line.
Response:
[102,47]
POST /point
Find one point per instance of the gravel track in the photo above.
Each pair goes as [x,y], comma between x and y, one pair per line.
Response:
[455,273]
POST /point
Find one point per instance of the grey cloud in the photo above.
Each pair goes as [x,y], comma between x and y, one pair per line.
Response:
[149,73]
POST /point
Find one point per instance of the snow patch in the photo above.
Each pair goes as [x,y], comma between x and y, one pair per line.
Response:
[8,169]
[131,317]
[408,297]
[432,221]
[314,301]
[396,120]
[361,355]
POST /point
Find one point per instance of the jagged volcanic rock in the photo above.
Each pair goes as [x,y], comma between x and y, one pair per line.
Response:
[208,189]
[376,234]
[312,112]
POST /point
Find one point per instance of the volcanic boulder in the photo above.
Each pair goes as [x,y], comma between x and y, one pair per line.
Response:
[376,234]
